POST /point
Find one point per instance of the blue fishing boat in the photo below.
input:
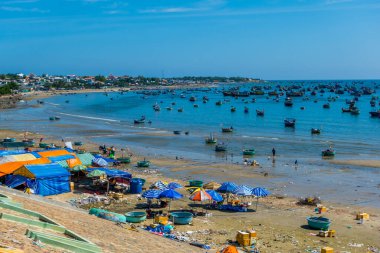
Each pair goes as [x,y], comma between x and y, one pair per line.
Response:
[290,122]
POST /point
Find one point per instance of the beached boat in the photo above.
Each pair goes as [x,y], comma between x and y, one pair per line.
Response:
[227,130]
[328,152]
[220,147]
[315,131]
[140,121]
[143,164]
[249,152]
[260,112]
[135,217]
[290,122]
[124,159]
[78,143]
[211,139]
[320,223]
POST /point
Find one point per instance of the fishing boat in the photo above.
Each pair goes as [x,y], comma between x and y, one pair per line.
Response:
[290,122]
[211,139]
[246,110]
[260,112]
[218,102]
[346,110]
[140,121]
[180,109]
[78,143]
[156,107]
[176,132]
[196,106]
[51,118]
[135,217]
[181,218]
[124,159]
[220,147]
[326,106]
[228,130]
[9,140]
[355,111]
[288,102]
[192,99]
[57,118]
[315,131]
[320,223]
[328,152]
[169,108]
[248,152]
[375,114]
[233,109]
[143,164]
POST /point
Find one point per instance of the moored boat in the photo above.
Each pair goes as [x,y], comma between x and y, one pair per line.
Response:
[143,164]
[288,102]
[315,131]
[140,121]
[320,223]
[289,122]
[176,132]
[211,139]
[260,112]
[250,151]
[220,147]
[328,152]
[228,129]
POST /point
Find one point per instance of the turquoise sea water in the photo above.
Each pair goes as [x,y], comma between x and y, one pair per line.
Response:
[109,119]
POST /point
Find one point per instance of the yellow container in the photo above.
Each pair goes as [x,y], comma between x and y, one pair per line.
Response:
[323,209]
[243,235]
[331,233]
[161,219]
[327,250]
[72,186]
[364,216]
[252,234]
[244,242]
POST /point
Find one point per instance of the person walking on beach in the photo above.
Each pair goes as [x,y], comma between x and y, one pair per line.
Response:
[273,152]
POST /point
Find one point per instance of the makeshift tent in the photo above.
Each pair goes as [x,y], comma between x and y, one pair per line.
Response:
[227,187]
[100,162]
[24,157]
[54,152]
[77,168]
[159,185]
[112,172]
[61,158]
[11,152]
[73,161]
[13,181]
[10,167]
[107,159]
[152,194]
[63,163]
[96,173]
[47,179]
[243,190]
[86,158]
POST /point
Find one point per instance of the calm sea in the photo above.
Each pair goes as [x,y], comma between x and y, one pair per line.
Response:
[109,119]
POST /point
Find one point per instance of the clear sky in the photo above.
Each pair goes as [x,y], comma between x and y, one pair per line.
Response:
[272,39]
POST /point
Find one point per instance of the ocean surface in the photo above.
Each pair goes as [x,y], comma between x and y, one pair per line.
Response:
[108,118]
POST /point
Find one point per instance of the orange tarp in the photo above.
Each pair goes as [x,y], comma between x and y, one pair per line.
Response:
[229,249]
[73,162]
[54,153]
[8,168]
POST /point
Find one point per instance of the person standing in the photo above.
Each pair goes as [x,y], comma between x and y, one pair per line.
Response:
[273,152]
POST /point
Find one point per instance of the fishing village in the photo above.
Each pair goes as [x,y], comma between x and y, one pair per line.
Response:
[48,183]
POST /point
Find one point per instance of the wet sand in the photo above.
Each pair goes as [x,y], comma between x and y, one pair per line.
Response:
[364,163]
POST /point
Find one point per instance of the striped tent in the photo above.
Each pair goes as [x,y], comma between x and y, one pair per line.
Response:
[243,190]
[159,185]
[200,195]
[152,194]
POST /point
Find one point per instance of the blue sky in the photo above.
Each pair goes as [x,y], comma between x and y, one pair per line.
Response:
[273,39]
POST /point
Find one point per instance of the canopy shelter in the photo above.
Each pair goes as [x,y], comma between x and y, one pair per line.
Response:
[200,195]
[174,185]
[10,167]
[259,192]
[96,173]
[214,195]
[86,158]
[159,185]
[152,194]
[45,179]
[243,190]
[54,152]
[227,187]
[61,158]
[212,186]
[17,158]
[113,172]
[100,162]
[170,194]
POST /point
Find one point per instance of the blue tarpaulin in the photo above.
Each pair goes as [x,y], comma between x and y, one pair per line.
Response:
[112,172]
[49,179]
[13,181]
[11,152]
[108,160]
[61,158]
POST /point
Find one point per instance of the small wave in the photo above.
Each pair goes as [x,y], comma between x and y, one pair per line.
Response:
[88,117]
[51,103]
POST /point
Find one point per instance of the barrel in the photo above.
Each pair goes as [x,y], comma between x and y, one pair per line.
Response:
[136,186]
[142,180]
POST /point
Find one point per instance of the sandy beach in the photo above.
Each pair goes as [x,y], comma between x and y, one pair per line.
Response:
[279,221]
[365,163]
